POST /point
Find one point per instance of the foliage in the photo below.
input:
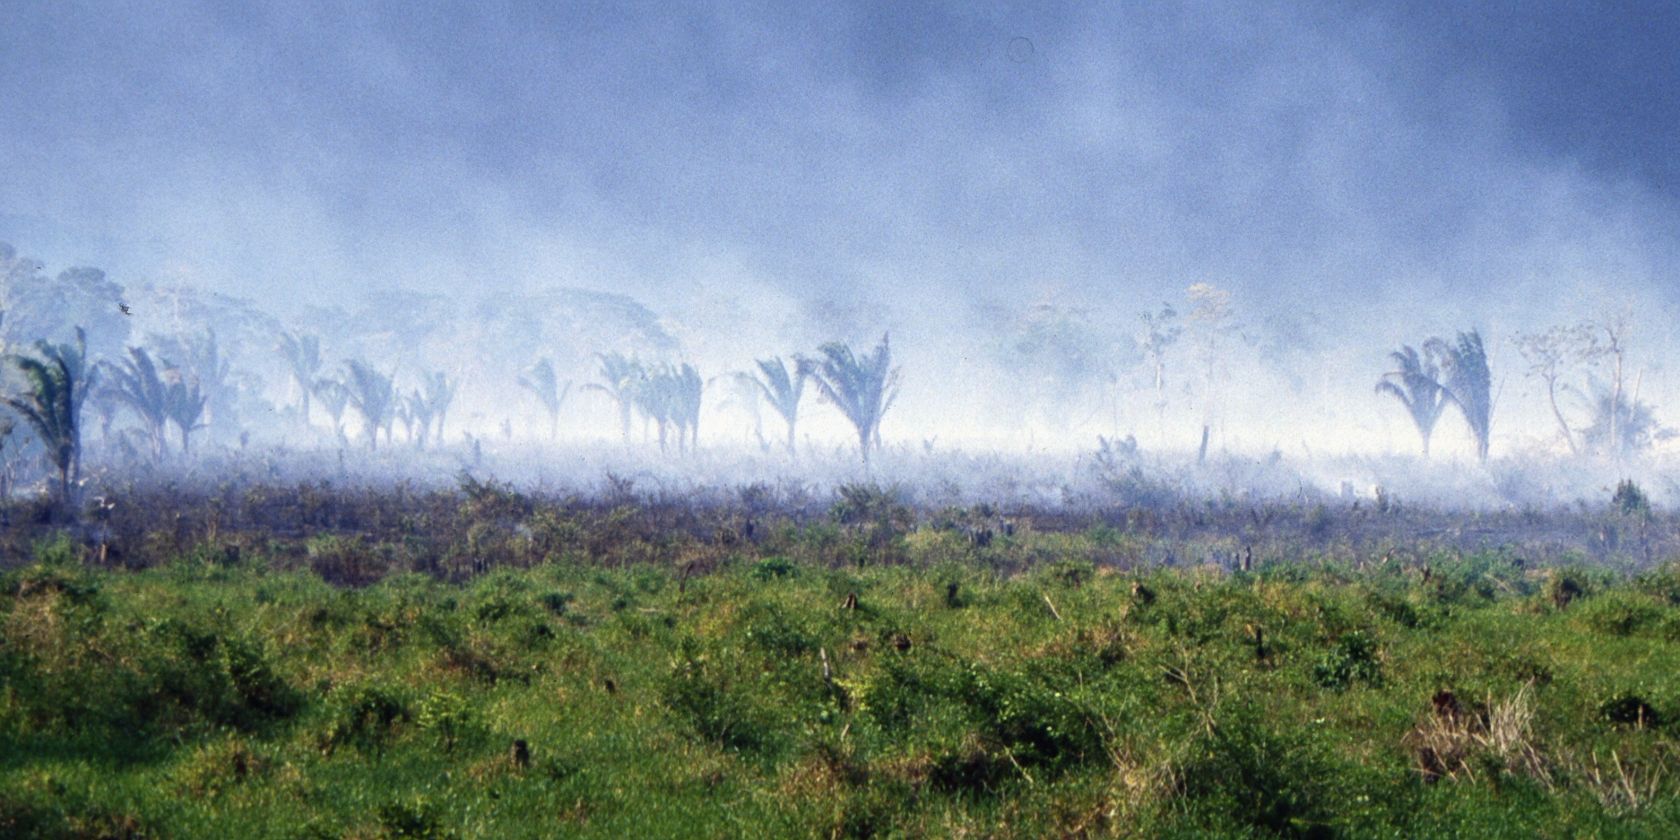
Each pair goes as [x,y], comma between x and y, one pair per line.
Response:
[783,385]
[861,387]
[58,382]
[1416,384]
[372,395]
[1468,383]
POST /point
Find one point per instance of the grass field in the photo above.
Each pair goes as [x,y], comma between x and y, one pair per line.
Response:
[791,682]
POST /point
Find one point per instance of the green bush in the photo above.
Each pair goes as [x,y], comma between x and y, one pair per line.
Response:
[1353,659]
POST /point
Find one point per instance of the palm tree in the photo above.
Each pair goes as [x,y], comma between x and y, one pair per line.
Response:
[58,383]
[185,406]
[863,388]
[420,415]
[439,394]
[1468,383]
[687,390]
[655,395]
[540,380]
[138,384]
[371,395]
[783,387]
[303,356]
[621,380]
[1417,386]
[200,357]
[335,397]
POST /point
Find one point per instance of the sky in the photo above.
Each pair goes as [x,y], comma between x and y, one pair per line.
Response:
[1385,171]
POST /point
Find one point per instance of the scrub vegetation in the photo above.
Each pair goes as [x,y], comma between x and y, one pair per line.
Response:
[479,661]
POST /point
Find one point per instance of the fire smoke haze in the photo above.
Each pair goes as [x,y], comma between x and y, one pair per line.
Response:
[1005,187]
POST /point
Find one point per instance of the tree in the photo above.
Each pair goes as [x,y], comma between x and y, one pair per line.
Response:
[862,387]
[1213,324]
[1161,332]
[335,397]
[200,358]
[621,380]
[688,390]
[138,384]
[303,358]
[58,383]
[185,406]
[439,392]
[1620,425]
[371,394]
[1548,354]
[420,416]
[1613,330]
[1416,384]
[541,381]
[1468,383]
[656,396]
[783,386]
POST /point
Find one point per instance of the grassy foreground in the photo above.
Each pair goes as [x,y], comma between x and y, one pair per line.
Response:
[776,698]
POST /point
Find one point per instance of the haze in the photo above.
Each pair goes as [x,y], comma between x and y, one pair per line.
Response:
[1003,188]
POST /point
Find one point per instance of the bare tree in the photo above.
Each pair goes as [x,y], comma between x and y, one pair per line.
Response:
[1549,355]
[1161,332]
[1606,338]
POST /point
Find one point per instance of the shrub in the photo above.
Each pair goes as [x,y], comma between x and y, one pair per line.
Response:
[1352,659]
[709,695]
[772,568]
[1630,500]
[449,717]
[364,716]
[1254,778]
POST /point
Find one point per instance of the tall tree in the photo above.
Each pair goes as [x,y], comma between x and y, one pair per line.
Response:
[621,380]
[303,359]
[58,382]
[1416,384]
[372,395]
[783,385]
[690,389]
[200,358]
[1606,338]
[542,382]
[1548,355]
[138,383]
[1468,383]
[420,416]
[862,387]
[185,406]
[335,397]
[439,392]
[656,396]
[1160,332]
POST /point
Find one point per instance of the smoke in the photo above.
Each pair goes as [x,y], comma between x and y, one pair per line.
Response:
[1003,189]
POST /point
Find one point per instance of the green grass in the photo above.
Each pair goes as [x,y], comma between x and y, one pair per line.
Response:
[771,697]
